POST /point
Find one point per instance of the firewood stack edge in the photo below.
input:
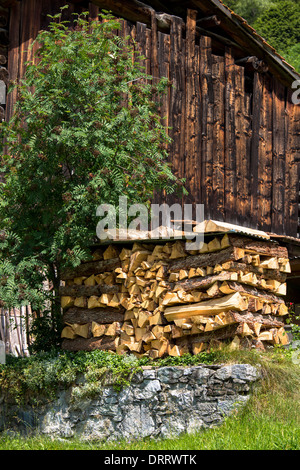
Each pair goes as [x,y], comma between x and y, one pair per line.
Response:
[159,299]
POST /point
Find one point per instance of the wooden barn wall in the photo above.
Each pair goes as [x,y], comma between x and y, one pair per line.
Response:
[236,146]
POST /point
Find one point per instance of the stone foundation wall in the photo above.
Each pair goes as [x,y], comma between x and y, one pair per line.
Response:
[159,402]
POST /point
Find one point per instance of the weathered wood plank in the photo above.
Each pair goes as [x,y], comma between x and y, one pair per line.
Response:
[198,128]
[154,49]
[190,104]
[218,154]
[292,166]
[13,55]
[279,149]
[242,177]
[256,120]
[93,12]
[30,25]
[207,108]
[247,161]
[177,99]
[164,71]
[264,193]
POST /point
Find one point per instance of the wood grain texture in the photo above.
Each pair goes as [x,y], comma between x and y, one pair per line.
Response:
[13,55]
[92,267]
[292,166]
[255,146]
[235,133]
[218,153]
[99,315]
[279,150]
[265,158]
[190,105]
[177,99]
[207,110]
[230,141]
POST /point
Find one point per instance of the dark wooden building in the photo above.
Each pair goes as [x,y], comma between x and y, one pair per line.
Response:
[234,125]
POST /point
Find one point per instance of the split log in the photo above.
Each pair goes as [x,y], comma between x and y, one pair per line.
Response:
[81,330]
[111,252]
[199,282]
[90,268]
[220,334]
[87,291]
[209,307]
[266,321]
[98,315]
[67,301]
[250,245]
[252,292]
[206,259]
[104,343]
[98,330]
[68,333]
[136,259]
[261,273]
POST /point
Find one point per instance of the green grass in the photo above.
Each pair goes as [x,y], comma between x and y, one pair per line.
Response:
[269,421]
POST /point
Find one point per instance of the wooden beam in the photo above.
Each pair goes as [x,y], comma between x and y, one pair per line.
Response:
[248,40]
[254,62]
[134,10]
[209,21]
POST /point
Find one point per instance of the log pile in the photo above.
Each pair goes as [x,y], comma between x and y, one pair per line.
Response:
[160,299]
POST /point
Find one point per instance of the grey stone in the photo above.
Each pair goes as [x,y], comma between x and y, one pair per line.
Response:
[194,423]
[161,402]
[149,374]
[243,372]
[183,398]
[207,408]
[148,390]
[173,427]
[137,378]
[200,374]
[227,406]
[138,422]
[169,375]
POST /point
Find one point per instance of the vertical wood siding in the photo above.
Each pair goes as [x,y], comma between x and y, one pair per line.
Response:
[237,147]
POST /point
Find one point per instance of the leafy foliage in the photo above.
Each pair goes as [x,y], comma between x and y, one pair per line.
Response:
[280,24]
[277,21]
[37,378]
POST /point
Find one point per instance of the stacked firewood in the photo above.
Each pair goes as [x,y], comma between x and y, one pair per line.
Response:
[162,299]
